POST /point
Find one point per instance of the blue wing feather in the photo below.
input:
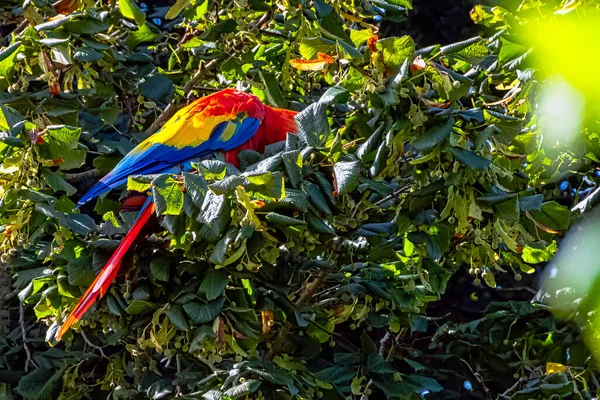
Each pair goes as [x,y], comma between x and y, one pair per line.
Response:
[159,158]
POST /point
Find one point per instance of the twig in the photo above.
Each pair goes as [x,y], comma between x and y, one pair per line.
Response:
[208,364]
[308,293]
[21,27]
[387,338]
[196,77]
[82,176]
[10,295]
[170,110]
[312,288]
[92,345]
[479,379]
[258,23]
[5,283]
[24,336]
[517,289]
[178,364]
[393,195]
[512,388]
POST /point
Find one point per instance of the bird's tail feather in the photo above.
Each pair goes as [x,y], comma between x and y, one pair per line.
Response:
[102,282]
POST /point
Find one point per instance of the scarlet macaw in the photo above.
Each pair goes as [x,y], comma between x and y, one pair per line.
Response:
[227,121]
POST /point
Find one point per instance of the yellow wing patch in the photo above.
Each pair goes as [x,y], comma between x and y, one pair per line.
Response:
[229,131]
[187,129]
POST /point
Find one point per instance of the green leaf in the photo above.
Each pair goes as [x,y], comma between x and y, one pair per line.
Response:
[246,387]
[213,169]
[295,199]
[159,269]
[86,54]
[202,313]
[426,383]
[336,374]
[7,60]
[176,316]
[292,161]
[457,47]
[218,29]
[272,90]
[335,95]
[508,210]
[196,186]
[88,26]
[61,144]
[80,224]
[309,47]
[40,383]
[143,35]
[213,283]
[156,87]
[552,215]
[396,51]
[367,344]
[347,175]
[140,307]
[506,127]
[434,136]
[283,220]
[226,185]
[509,51]
[317,198]
[470,158]
[177,8]
[379,365]
[312,124]
[138,183]
[531,203]
[131,11]
[215,214]
[113,305]
[168,196]
[57,183]
[319,225]
[532,255]
[393,389]
[200,334]
[401,3]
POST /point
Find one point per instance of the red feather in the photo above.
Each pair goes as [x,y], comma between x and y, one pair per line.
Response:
[100,285]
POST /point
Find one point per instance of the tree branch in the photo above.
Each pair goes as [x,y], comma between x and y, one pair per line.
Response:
[5,296]
[24,336]
[92,345]
[82,176]
[387,338]
[170,110]
[305,297]
[393,195]
[311,289]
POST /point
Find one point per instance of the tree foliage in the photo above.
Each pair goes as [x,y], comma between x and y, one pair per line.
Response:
[308,272]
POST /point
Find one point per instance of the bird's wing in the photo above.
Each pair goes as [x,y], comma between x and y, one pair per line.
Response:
[219,122]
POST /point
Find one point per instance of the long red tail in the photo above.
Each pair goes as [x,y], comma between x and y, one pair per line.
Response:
[102,282]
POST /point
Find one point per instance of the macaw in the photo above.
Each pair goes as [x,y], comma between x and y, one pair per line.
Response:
[227,121]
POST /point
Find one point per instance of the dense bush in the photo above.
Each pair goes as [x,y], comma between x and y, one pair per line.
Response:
[308,272]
